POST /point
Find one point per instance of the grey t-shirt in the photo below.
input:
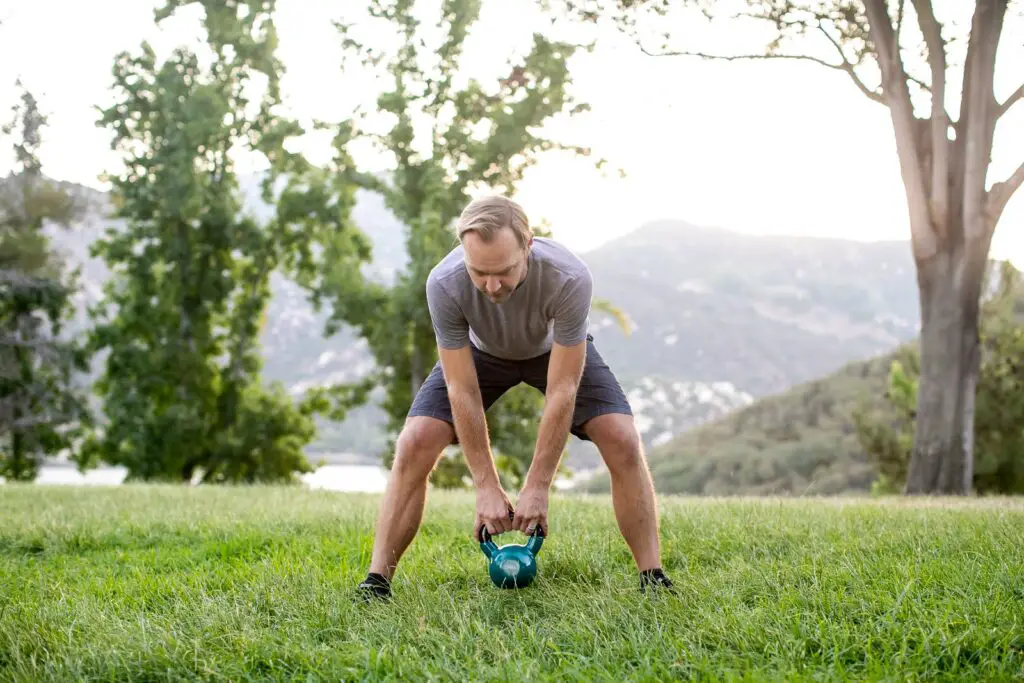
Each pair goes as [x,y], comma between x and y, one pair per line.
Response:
[552,304]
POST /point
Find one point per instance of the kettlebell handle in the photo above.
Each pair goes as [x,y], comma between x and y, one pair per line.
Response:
[489,547]
[485,535]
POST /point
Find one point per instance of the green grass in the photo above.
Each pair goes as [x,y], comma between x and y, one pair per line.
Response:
[146,583]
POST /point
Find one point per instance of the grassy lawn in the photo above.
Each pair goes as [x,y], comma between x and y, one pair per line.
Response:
[158,583]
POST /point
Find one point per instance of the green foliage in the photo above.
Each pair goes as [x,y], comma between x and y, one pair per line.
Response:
[480,135]
[182,312]
[888,439]
[41,409]
[999,406]
[266,441]
[888,434]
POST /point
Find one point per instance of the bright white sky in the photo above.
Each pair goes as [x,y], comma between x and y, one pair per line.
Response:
[757,147]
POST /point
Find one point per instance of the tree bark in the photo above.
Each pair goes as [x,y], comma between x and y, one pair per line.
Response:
[970,387]
[950,284]
[923,235]
[936,463]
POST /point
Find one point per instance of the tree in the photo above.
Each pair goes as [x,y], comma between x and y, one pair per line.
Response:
[480,136]
[888,435]
[182,312]
[41,408]
[943,161]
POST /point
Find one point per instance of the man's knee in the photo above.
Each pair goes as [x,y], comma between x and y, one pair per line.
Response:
[616,437]
[419,445]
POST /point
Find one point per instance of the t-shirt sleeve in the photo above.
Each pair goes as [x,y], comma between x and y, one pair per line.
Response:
[451,328]
[572,311]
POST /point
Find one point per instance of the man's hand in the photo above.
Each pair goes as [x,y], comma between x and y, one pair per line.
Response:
[532,510]
[493,509]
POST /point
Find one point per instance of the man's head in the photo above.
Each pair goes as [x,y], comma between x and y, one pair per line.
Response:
[496,238]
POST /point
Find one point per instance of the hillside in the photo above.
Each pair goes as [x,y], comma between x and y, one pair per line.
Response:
[799,442]
[720,318]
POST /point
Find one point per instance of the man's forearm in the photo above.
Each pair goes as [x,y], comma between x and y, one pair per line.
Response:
[551,436]
[471,428]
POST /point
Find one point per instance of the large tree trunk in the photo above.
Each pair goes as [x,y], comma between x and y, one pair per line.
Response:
[950,285]
[936,463]
[972,367]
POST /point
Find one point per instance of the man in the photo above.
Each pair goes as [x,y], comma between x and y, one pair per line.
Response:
[508,307]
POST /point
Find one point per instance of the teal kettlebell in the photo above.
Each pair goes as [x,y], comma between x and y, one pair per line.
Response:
[513,565]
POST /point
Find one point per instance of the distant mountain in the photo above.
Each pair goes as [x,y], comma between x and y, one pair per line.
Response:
[720,318]
[760,312]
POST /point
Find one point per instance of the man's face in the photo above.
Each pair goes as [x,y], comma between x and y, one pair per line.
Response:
[498,267]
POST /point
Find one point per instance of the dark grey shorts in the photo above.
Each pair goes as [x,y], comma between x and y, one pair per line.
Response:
[599,392]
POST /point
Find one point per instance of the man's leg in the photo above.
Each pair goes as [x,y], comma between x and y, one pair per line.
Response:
[603,415]
[428,430]
[636,512]
[418,449]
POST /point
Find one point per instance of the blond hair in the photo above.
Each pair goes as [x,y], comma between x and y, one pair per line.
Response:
[487,215]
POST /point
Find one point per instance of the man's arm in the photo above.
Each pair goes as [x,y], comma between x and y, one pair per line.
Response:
[565,368]
[492,503]
[452,332]
[564,371]
[468,411]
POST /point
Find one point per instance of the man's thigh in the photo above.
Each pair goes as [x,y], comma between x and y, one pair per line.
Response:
[495,376]
[599,392]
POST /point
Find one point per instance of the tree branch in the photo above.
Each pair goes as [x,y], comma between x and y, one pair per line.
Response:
[1000,194]
[846,66]
[894,84]
[979,108]
[940,120]
[1010,101]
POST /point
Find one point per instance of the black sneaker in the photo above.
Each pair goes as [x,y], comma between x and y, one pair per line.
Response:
[656,580]
[375,587]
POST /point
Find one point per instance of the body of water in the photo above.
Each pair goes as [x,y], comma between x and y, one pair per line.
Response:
[351,478]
